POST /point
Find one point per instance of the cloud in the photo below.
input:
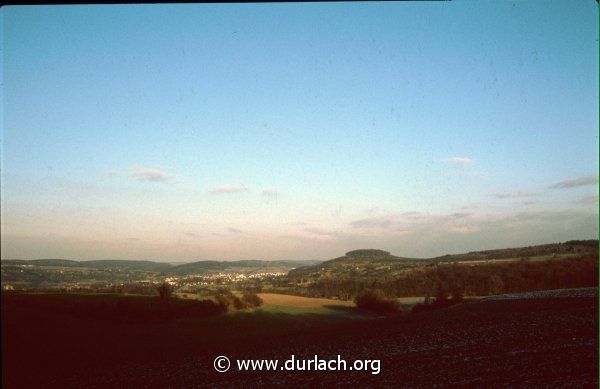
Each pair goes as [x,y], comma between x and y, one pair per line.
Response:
[512,195]
[313,235]
[320,232]
[460,215]
[461,160]
[269,192]
[151,174]
[463,229]
[228,188]
[593,199]
[530,202]
[234,230]
[382,222]
[589,180]
[410,221]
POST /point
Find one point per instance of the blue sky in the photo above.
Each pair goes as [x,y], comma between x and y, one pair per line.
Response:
[234,131]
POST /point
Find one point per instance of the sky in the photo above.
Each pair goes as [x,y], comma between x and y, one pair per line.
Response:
[297,131]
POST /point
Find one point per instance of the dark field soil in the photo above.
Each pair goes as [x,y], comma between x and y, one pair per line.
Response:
[545,342]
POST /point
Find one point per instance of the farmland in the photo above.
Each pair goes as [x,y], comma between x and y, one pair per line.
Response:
[550,341]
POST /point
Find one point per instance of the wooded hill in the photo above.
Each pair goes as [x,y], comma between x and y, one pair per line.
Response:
[164,268]
[372,263]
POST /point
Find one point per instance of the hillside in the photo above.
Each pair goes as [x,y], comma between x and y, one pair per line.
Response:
[199,267]
[256,266]
[358,263]
[112,264]
[127,265]
[570,247]
[42,262]
[375,263]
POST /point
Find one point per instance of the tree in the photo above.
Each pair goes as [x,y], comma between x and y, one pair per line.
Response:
[252,299]
[165,291]
[495,284]
[375,301]
[442,293]
[457,293]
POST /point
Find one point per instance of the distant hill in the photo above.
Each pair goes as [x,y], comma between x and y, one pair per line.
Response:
[365,262]
[98,264]
[379,263]
[570,247]
[205,267]
[42,262]
[200,267]
[127,265]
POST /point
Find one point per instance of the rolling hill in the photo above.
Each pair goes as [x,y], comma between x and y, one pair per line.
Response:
[205,267]
[364,262]
[199,267]
[378,263]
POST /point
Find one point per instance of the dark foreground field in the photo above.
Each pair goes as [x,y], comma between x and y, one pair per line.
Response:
[48,341]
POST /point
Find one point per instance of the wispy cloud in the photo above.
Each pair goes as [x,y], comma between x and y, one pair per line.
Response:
[321,232]
[234,230]
[111,173]
[593,199]
[463,229]
[513,195]
[151,174]
[269,192]
[382,222]
[589,180]
[459,215]
[461,160]
[228,188]
[408,221]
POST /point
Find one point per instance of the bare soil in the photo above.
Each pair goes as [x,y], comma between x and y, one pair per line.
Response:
[538,342]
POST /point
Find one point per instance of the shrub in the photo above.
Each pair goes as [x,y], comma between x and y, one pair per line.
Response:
[238,303]
[223,302]
[440,301]
[252,300]
[165,291]
[375,301]
[229,301]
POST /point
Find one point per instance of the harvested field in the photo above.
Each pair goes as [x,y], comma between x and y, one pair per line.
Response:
[534,342]
[555,293]
[300,302]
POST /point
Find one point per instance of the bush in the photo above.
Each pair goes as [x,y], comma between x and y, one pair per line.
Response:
[440,301]
[165,291]
[375,301]
[223,301]
[252,300]
[229,301]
